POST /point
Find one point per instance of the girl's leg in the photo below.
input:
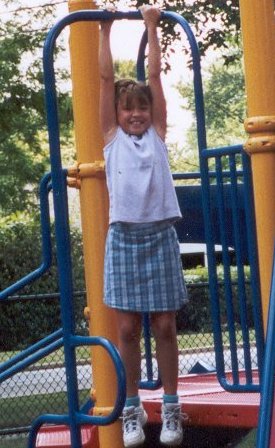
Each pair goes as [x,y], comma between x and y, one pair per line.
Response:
[163,326]
[129,334]
[164,329]
[134,417]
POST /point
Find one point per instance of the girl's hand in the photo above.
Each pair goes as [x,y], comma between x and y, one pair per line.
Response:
[105,25]
[150,14]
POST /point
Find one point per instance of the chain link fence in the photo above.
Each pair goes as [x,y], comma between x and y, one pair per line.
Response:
[41,388]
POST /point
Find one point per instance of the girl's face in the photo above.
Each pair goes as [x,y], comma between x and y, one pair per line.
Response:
[134,118]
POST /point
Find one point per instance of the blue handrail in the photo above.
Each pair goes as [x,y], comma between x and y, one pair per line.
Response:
[32,354]
[253,261]
[46,242]
[78,417]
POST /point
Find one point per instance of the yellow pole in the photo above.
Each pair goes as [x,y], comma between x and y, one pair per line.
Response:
[258,29]
[84,41]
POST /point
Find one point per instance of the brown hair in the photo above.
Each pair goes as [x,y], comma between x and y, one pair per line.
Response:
[130,90]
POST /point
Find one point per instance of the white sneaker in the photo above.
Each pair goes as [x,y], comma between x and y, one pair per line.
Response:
[171,432]
[134,418]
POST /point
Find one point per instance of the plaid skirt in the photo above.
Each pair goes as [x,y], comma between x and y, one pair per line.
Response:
[142,268]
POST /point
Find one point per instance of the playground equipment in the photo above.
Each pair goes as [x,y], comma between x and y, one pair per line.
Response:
[89,173]
[258,52]
[259,62]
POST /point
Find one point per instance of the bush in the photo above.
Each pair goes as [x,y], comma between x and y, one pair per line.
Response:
[26,321]
[196,314]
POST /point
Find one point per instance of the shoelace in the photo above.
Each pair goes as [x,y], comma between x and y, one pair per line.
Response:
[173,418]
[130,421]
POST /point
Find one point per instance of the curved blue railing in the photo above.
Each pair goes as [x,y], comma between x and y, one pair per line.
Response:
[81,418]
[31,355]
[46,242]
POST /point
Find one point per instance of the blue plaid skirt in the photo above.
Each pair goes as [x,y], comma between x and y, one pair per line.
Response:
[142,268]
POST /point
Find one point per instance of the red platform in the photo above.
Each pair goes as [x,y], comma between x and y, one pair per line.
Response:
[206,403]
[203,400]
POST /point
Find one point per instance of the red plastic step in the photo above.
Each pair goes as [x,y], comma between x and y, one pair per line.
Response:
[60,437]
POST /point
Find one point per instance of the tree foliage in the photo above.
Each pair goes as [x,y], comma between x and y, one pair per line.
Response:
[225,110]
[23,149]
[216,24]
[125,69]
[26,321]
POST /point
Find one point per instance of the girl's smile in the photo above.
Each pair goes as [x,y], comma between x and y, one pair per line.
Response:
[134,119]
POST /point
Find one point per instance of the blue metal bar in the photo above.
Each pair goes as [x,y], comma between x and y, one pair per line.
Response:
[77,341]
[240,269]
[212,174]
[212,272]
[61,228]
[33,358]
[141,57]
[46,419]
[224,150]
[253,261]
[46,243]
[30,350]
[227,274]
[147,346]
[150,383]
[80,418]
[181,176]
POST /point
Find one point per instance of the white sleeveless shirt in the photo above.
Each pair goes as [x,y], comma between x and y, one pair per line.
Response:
[139,180]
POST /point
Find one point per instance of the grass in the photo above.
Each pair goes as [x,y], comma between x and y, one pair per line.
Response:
[19,441]
[249,441]
[83,354]
[29,407]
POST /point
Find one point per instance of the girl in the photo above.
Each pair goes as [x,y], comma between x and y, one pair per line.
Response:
[143,270]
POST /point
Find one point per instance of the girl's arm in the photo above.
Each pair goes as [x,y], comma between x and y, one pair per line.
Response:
[151,17]
[107,112]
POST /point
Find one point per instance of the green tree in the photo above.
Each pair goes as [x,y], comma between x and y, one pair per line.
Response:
[216,24]
[25,321]
[225,110]
[23,148]
[125,69]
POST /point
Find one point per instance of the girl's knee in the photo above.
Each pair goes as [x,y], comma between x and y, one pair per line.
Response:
[129,329]
[163,325]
